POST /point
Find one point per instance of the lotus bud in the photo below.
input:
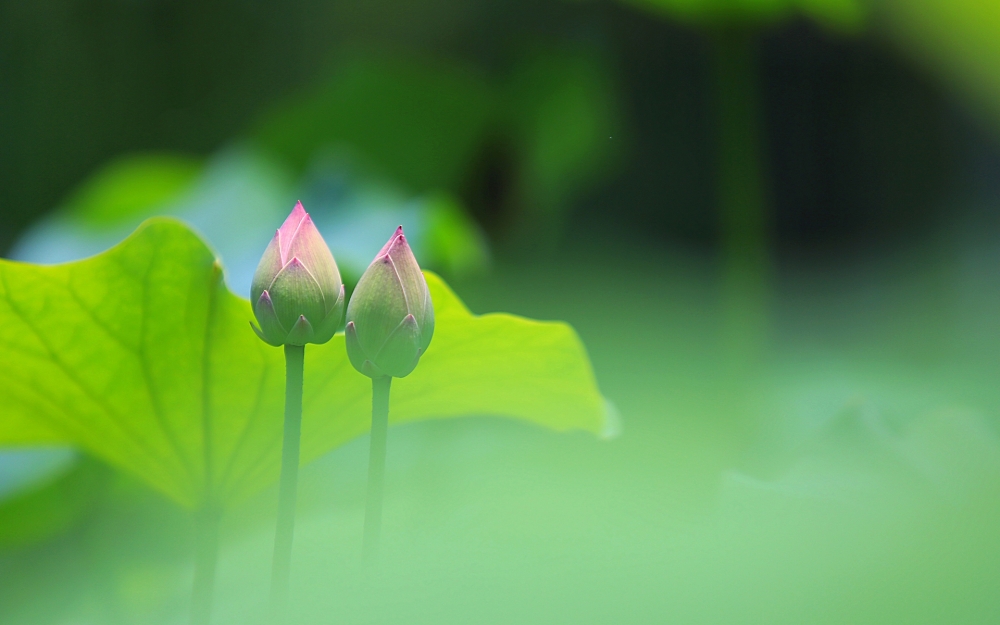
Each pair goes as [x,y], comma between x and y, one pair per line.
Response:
[297,293]
[390,318]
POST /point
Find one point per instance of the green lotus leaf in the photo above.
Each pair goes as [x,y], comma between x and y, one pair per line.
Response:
[142,357]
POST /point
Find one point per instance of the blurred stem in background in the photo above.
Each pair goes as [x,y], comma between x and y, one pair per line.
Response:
[742,208]
[281,565]
[376,466]
[206,558]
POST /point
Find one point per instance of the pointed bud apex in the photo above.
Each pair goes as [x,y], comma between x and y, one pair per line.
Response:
[390,319]
[297,295]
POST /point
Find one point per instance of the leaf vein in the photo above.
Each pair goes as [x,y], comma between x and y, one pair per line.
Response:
[113,415]
[147,374]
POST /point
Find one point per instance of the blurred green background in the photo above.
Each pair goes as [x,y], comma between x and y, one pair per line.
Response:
[774,224]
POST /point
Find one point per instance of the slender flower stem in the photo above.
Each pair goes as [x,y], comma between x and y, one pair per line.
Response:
[206,557]
[742,186]
[294,355]
[376,466]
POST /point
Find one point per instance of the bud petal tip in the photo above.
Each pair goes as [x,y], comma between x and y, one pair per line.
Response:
[388,244]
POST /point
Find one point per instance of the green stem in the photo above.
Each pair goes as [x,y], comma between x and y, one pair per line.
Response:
[743,209]
[294,355]
[206,557]
[376,466]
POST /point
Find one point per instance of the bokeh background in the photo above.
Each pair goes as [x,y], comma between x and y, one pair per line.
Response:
[774,223]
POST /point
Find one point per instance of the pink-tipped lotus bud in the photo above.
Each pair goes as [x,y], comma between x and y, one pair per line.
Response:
[297,294]
[390,319]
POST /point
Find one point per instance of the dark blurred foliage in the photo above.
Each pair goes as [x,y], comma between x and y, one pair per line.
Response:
[863,145]
[859,145]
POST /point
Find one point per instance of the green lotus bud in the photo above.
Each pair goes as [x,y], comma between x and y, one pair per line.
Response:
[390,319]
[297,294]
